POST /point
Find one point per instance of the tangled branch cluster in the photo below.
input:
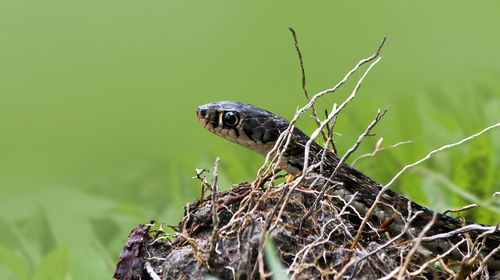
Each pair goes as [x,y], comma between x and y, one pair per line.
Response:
[319,250]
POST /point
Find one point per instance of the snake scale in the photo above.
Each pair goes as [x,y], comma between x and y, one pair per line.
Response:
[258,130]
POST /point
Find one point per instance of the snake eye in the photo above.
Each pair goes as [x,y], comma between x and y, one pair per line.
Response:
[230,118]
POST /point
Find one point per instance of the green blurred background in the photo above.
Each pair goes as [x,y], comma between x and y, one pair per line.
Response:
[97,102]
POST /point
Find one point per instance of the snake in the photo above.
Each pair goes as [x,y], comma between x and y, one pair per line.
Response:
[258,130]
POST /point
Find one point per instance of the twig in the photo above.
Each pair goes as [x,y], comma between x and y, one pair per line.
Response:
[461,209]
[392,240]
[433,260]
[306,249]
[485,260]
[446,268]
[289,130]
[468,196]
[441,149]
[215,217]
[378,149]
[151,271]
[200,172]
[379,195]
[330,117]
[378,117]
[416,244]
[313,108]
[467,228]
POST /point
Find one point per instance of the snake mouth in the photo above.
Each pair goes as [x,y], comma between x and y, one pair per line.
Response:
[202,115]
[201,111]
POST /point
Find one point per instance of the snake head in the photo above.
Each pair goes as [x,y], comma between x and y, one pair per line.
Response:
[245,124]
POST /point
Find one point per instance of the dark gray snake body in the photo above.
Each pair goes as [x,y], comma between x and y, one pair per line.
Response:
[258,130]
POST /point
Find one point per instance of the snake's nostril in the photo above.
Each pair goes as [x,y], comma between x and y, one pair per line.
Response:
[201,112]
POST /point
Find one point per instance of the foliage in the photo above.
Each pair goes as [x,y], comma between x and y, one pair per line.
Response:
[277,268]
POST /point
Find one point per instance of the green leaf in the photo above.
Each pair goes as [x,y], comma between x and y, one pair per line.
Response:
[466,196]
[474,172]
[437,197]
[272,259]
[54,266]
[17,265]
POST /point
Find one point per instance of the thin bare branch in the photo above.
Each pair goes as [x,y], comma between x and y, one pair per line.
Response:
[379,195]
[378,149]
[378,117]
[287,133]
[416,245]
[470,206]
[313,108]
[215,217]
